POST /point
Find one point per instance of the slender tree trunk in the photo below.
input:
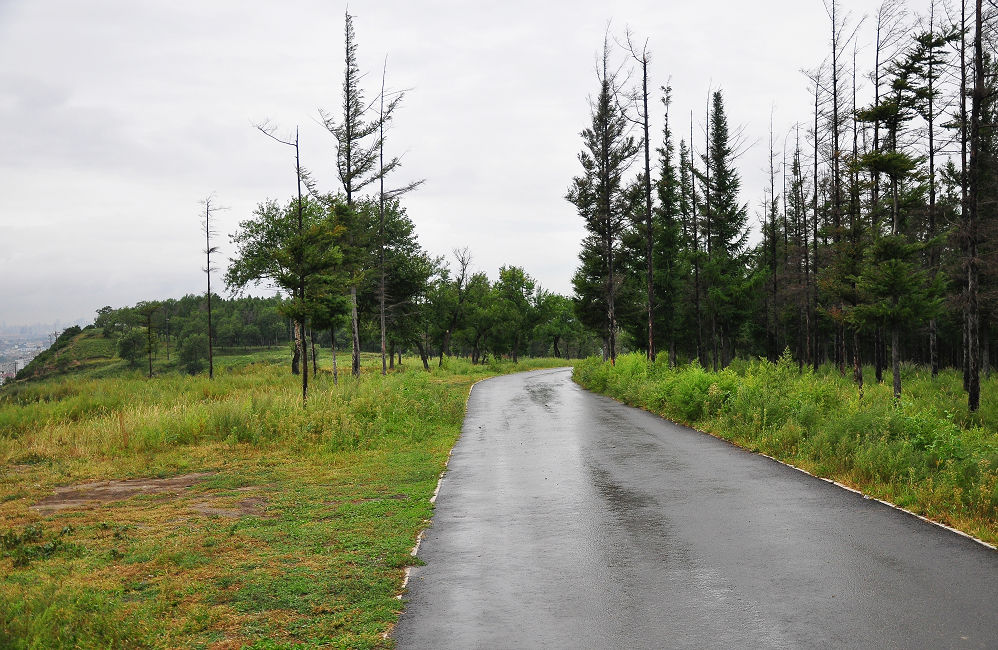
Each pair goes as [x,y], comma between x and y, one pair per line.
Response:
[332,340]
[840,339]
[355,368]
[973,218]
[391,357]
[857,362]
[773,353]
[557,352]
[315,364]
[696,252]
[878,355]
[211,347]
[296,359]
[381,220]
[708,222]
[300,326]
[611,307]
[814,229]
[896,361]
[422,355]
[649,265]
[933,252]
[964,184]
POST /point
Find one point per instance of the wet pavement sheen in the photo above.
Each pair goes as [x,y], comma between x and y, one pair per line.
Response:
[567,520]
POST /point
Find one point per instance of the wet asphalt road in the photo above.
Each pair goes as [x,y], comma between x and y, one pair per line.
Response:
[567,520]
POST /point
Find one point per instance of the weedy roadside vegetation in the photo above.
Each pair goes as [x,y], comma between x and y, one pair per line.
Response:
[295,527]
[926,453]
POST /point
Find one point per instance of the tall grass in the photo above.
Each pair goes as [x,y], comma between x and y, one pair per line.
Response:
[257,404]
[341,489]
[926,453]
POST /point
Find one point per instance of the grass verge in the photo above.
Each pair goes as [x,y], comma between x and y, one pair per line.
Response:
[296,531]
[926,454]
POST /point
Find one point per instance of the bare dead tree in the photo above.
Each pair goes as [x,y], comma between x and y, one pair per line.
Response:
[299,289]
[643,57]
[359,134]
[975,178]
[385,115]
[463,257]
[209,249]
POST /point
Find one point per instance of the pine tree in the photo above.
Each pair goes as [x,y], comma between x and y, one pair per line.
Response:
[599,193]
[725,218]
[360,136]
[668,220]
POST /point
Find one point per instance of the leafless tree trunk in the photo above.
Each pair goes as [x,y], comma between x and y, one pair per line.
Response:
[355,366]
[296,360]
[299,292]
[973,217]
[933,250]
[315,365]
[463,257]
[816,359]
[643,58]
[332,340]
[209,210]
[771,208]
[422,355]
[696,252]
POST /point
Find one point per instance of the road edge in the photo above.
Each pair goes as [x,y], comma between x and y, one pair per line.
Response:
[804,471]
[433,499]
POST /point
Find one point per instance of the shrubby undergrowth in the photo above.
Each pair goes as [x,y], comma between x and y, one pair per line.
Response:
[925,453]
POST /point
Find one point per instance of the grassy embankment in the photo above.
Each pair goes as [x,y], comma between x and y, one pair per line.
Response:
[300,533]
[92,355]
[926,454]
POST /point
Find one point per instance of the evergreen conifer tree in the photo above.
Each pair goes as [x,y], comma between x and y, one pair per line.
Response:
[599,193]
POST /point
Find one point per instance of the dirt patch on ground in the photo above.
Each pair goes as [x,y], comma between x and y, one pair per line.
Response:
[86,495]
[255,506]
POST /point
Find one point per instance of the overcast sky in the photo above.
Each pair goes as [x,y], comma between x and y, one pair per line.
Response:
[118,116]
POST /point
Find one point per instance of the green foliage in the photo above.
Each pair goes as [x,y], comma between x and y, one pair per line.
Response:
[193,353]
[132,346]
[600,195]
[513,310]
[926,453]
[29,545]
[291,247]
[897,290]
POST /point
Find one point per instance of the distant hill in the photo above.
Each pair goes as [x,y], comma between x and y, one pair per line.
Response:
[91,353]
[76,350]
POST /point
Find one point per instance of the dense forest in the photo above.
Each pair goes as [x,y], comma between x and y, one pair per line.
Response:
[875,234]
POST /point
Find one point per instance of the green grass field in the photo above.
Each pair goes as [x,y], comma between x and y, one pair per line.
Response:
[927,454]
[287,527]
[90,354]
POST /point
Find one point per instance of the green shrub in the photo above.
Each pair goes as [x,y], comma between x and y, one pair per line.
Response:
[926,453]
